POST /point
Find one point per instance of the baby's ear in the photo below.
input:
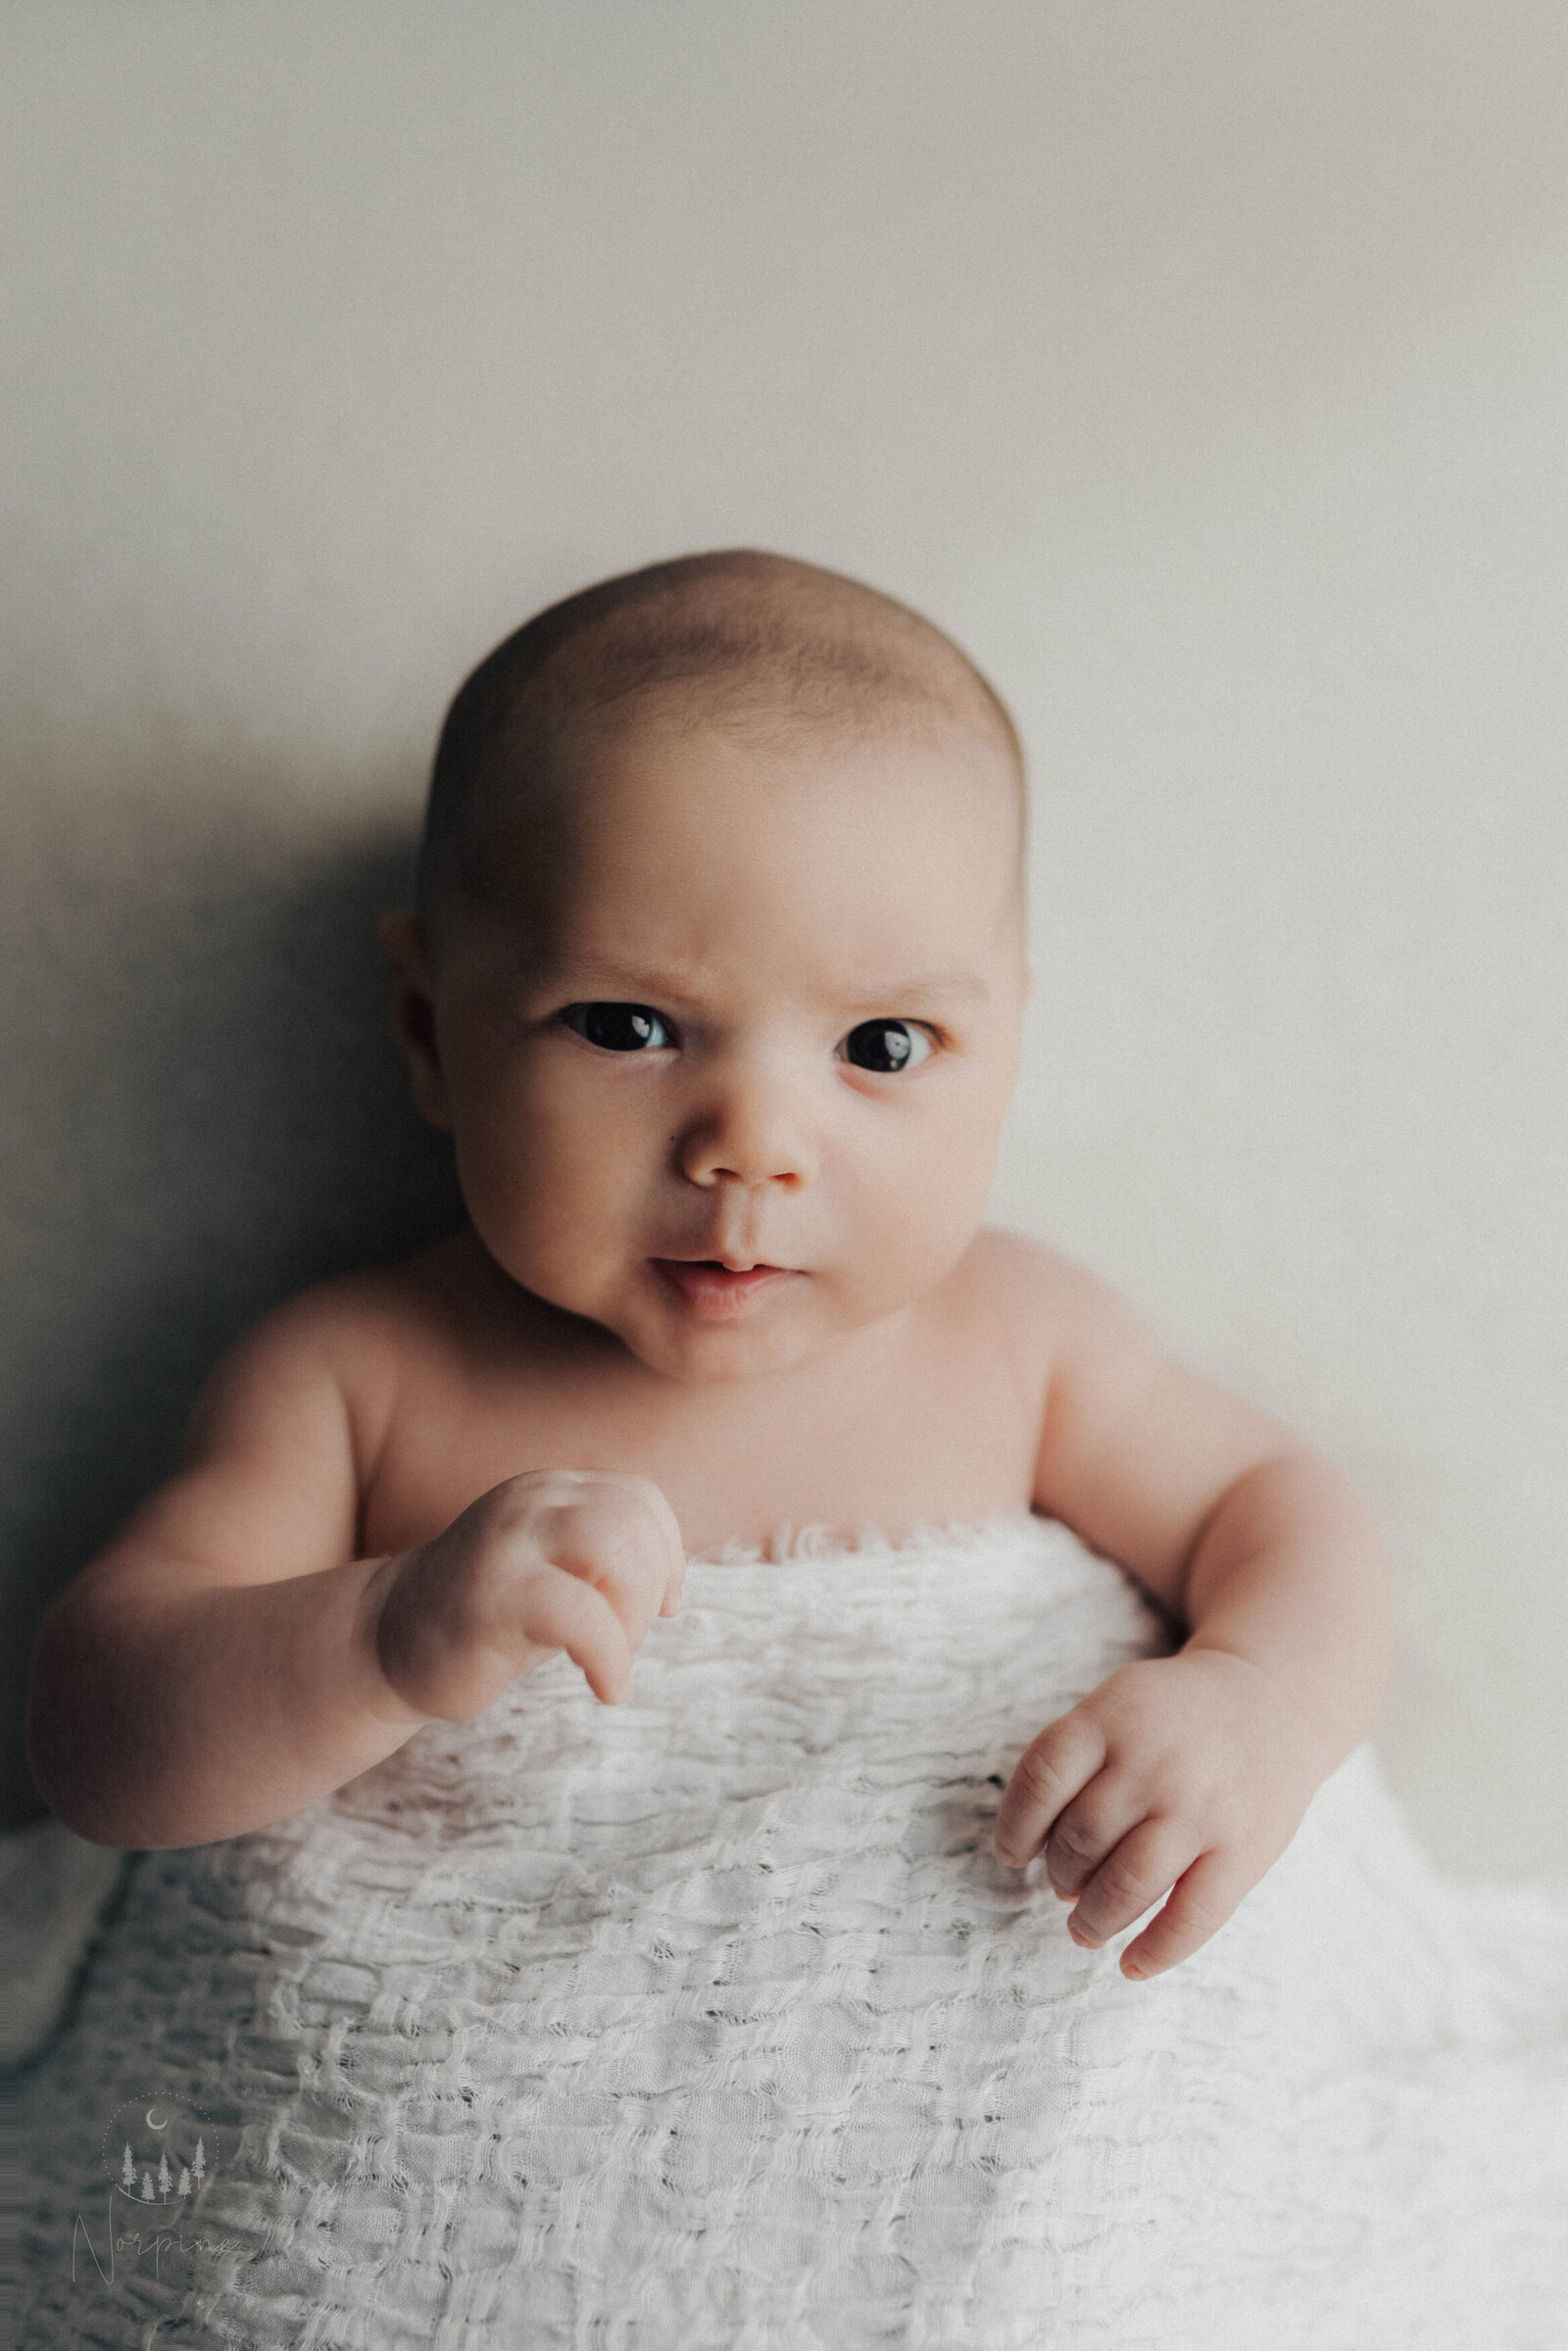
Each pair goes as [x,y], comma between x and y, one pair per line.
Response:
[408,953]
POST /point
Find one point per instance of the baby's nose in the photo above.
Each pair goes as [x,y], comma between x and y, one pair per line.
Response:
[750,1131]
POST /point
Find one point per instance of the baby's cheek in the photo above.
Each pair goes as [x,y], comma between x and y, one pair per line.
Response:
[537,1212]
[924,1219]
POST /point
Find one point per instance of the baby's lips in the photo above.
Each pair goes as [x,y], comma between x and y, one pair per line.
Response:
[713,1292]
[721,1260]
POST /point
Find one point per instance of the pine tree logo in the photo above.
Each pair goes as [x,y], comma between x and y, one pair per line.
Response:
[159,2151]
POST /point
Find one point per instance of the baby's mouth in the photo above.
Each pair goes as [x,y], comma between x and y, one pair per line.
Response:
[712,1292]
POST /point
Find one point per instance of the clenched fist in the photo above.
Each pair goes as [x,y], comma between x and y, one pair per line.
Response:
[575,1559]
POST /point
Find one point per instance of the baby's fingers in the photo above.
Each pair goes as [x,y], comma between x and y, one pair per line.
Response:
[1049,1774]
[566,1613]
[674,1544]
[650,1544]
[1145,1865]
[619,1534]
[1202,1902]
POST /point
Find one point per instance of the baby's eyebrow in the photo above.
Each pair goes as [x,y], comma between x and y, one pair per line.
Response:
[925,987]
[601,974]
[641,984]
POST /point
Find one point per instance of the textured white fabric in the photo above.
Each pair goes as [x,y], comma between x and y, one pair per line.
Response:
[712,2022]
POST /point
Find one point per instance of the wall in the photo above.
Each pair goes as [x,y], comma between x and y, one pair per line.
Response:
[1202,367]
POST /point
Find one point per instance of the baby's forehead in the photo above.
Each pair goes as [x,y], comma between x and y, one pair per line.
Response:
[684,858]
[663,767]
[761,650]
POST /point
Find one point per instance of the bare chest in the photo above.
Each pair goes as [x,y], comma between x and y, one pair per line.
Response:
[943,1428]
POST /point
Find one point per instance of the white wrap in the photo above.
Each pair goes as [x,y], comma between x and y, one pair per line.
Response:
[712,2022]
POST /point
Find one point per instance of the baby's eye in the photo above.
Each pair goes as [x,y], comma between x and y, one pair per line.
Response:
[886,1045]
[618,1028]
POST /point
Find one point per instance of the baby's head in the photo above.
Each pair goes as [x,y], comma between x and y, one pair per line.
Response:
[718,968]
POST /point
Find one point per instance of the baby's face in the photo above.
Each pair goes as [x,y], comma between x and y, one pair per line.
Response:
[734,1090]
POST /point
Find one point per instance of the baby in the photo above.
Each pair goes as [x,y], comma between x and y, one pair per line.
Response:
[716,981]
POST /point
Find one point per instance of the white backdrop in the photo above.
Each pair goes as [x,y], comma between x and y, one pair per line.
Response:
[1205,367]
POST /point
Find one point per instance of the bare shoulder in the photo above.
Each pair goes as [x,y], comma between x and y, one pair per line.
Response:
[1045,1293]
[418,1300]
[1036,1313]
[1134,1447]
[345,1344]
[1100,1362]
[286,1430]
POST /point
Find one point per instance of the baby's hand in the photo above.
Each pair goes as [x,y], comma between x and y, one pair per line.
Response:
[581,1561]
[1189,1772]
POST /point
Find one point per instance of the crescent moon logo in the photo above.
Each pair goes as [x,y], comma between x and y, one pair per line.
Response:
[154,2139]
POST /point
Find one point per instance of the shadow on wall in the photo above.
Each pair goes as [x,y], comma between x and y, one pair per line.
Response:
[205,1111]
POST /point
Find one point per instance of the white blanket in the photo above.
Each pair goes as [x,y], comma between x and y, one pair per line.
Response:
[713,2023]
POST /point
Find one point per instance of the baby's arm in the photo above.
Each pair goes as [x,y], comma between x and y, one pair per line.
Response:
[1193,1772]
[228,1659]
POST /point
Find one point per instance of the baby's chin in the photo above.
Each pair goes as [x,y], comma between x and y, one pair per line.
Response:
[780,1332]
[681,1326]
[685,1329]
